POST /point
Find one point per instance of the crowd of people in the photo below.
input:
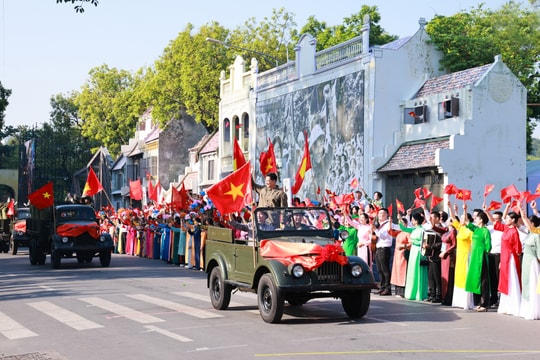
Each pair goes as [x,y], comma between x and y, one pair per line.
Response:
[477,260]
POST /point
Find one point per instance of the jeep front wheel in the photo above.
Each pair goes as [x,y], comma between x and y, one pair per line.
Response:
[13,247]
[356,304]
[220,292]
[270,299]
[56,259]
[105,258]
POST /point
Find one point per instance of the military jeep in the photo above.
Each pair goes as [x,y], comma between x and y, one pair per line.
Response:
[287,255]
[68,231]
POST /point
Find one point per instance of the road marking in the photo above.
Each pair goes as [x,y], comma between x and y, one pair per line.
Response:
[64,316]
[12,329]
[123,311]
[168,333]
[405,351]
[207,299]
[199,313]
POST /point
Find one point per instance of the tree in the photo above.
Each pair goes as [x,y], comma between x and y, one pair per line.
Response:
[4,95]
[328,36]
[185,78]
[78,8]
[108,108]
[272,36]
[473,39]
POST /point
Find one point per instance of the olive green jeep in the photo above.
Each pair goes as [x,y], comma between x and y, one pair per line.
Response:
[287,254]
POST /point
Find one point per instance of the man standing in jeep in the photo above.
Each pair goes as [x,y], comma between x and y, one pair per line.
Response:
[269,194]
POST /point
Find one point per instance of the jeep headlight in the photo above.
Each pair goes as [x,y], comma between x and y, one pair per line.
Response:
[65,239]
[356,270]
[102,238]
[296,270]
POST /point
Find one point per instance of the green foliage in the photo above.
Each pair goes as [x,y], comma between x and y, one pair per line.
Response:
[328,36]
[473,39]
[78,8]
[273,36]
[4,95]
[108,108]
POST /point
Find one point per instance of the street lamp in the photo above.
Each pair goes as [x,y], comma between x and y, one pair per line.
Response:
[219,42]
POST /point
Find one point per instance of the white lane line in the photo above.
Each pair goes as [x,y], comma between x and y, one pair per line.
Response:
[189,310]
[168,333]
[123,311]
[12,329]
[64,316]
[205,298]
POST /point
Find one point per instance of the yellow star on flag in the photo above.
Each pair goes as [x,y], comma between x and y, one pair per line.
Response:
[269,165]
[46,195]
[236,190]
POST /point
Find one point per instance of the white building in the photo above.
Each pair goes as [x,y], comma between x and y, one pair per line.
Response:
[384,115]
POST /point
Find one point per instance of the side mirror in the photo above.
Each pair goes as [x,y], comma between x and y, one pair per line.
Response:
[343,234]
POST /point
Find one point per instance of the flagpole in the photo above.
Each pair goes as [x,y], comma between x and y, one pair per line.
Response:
[253,220]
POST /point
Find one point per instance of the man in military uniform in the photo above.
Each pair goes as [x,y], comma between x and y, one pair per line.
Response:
[269,194]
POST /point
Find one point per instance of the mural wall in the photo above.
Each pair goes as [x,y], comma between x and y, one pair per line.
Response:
[332,113]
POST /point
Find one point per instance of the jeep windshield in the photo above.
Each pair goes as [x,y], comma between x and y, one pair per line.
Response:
[75,213]
[296,220]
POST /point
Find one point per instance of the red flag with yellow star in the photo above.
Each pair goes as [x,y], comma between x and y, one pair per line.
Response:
[92,186]
[43,197]
[238,156]
[229,194]
[305,165]
[267,160]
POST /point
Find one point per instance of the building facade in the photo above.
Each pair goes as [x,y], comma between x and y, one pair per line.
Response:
[384,115]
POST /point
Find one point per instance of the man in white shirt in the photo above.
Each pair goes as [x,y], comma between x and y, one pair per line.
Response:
[384,250]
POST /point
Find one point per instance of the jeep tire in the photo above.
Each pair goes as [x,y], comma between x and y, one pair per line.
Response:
[13,246]
[270,299]
[220,292]
[56,259]
[356,304]
[105,258]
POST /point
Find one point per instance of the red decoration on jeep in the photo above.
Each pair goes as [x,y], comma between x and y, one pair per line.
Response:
[77,229]
[310,256]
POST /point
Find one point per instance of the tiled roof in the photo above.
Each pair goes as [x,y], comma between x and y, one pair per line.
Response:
[452,81]
[415,155]
[153,135]
[201,143]
[212,144]
[188,180]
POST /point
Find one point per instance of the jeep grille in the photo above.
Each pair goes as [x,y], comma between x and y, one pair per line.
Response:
[329,272]
[84,240]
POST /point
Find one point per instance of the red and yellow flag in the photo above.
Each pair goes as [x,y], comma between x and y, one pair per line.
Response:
[267,160]
[92,186]
[43,197]
[305,165]
[229,195]
[238,156]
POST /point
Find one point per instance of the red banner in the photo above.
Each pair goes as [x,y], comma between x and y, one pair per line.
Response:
[310,256]
[78,229]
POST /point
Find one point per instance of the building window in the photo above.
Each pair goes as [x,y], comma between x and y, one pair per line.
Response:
[449,108]
[237,127]
[416,115]
[119,180]
[245,139]
[226,137]
[210,170]
[152,165]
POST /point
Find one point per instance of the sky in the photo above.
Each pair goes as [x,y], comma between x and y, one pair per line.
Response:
[47,48]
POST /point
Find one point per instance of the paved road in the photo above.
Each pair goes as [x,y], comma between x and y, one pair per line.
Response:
[147,309]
